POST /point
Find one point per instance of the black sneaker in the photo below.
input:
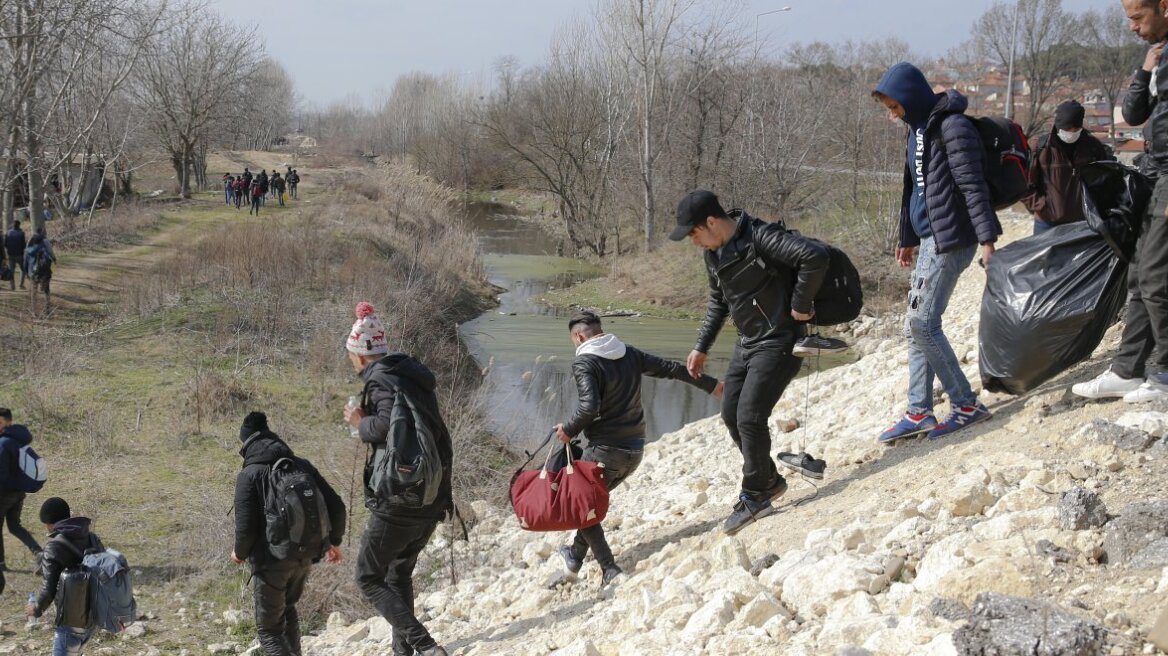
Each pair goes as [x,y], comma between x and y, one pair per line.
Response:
[804,464]
[572,564]
[610,575]
[776,490]
[819,345]
[746,512]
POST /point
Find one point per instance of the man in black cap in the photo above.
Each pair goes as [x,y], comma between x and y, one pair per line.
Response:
[69,538]
[1057,196]
[764,278]
[280,577]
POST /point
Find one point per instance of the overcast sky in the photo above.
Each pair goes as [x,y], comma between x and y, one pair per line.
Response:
[342,47]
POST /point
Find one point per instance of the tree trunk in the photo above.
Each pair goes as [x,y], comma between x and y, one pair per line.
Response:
[36,183]
[9,207]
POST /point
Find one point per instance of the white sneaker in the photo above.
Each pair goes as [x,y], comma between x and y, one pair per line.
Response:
[1146,392]
[1107,385]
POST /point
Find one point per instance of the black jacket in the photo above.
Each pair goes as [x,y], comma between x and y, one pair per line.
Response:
[57,558]
[14,243]
[609,386]
[1140,106]
[382,377]
[757,278]
[1057,195]
[12,439]
[260,452]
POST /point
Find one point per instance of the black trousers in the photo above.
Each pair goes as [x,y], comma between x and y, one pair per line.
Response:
[755,380]
[278,587]
[385,571]
[1145,334]
[11,506]
[619,464]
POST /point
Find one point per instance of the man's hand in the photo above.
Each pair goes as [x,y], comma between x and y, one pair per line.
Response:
[717,393]
[561,435]
[696,363]
[904,256]
[987,251]
[1153,57]
[236,559]
[353,416]
[799,316]
[30,610]
[334,555]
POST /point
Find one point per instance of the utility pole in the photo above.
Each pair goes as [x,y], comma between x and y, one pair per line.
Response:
[765,13]
[1010,68]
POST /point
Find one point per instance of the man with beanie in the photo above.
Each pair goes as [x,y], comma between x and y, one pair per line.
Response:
[1057,192]
[279,582]
[1139,372]
[947,215]
[765,278]
[69,538]
[608,380]
[12,438]
[14,245]
[399,526]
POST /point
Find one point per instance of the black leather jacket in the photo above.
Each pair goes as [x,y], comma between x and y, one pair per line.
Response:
[609,411]
[1140,106]
[57,557]
[757,278]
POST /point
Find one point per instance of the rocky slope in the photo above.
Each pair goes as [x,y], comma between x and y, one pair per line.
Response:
[1056,503]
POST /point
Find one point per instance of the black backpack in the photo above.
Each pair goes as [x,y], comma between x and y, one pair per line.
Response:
[295,512]
[42,265]
[1006,161]
[407,469]
[841,297]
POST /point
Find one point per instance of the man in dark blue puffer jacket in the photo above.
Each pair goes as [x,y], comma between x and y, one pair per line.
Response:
[945,214]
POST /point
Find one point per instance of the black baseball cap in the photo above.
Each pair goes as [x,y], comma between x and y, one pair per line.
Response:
[693,210]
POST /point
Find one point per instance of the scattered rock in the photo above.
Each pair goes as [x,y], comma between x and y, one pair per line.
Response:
[763,563]
[1125,433]
[1079,508]
[135,630]
[223,648]
[949,609]
[969,494]
[1138,526]
[1001,625]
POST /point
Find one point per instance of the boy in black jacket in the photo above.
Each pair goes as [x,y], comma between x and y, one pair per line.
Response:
[398,528]
[279,583]
[608,380]
[73,628]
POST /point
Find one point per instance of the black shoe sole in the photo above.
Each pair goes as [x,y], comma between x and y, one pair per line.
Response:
[808,473]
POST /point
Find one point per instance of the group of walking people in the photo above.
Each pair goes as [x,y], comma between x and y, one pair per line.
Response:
[34,257]
[258,187]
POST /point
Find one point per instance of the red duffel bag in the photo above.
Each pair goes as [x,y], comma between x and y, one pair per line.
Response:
[573,498]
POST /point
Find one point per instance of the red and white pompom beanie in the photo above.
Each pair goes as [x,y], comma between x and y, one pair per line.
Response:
[367,336]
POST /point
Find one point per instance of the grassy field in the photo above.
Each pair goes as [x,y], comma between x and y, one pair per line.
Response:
[164,334]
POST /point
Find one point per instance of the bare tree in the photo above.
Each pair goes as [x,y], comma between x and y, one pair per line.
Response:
[1111,51]
[1042,26]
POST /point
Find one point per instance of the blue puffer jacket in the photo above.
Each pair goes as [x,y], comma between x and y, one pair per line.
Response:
[956,196]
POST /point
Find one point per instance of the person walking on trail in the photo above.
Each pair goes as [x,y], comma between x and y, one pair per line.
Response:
[280,571]
[1139,371]
[69,538]
[228,188]
[278,187]
[293,183]
[38,261]
[12,438]
[945,214]
[400,525]
[240,189]
[769,308]
[1057,196]
[257,194]
[609,413]
[14,245]
[262,178]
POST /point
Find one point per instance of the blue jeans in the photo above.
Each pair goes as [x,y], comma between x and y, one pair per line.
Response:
[929,352]
[68,641]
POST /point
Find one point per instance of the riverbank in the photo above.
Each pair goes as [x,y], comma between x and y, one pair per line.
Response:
[893,554]
[135,384]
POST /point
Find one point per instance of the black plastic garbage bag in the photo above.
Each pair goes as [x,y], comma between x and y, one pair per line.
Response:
[1050,298]
[1048,301]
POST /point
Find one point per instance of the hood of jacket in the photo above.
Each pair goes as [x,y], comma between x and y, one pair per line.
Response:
[75,529]
[906,84]
[264,448]
[606,346]
[404,366]
[18,433]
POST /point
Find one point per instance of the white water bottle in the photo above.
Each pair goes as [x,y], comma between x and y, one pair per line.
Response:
[33,620]
[353,430]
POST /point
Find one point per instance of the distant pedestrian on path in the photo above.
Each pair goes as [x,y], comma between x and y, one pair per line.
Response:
[293,183]
[38,261]
[257,194]
[278,186]
[14,245]
[238,188]
[228,188]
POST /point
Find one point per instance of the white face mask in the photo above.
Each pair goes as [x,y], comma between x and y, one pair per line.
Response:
[1068,136]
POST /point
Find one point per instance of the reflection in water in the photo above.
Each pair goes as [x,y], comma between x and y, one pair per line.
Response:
[525,344]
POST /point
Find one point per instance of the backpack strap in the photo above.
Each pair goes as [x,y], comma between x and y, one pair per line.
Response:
[62,540]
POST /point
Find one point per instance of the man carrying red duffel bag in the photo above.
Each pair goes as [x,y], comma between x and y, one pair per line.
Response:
[608,380]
